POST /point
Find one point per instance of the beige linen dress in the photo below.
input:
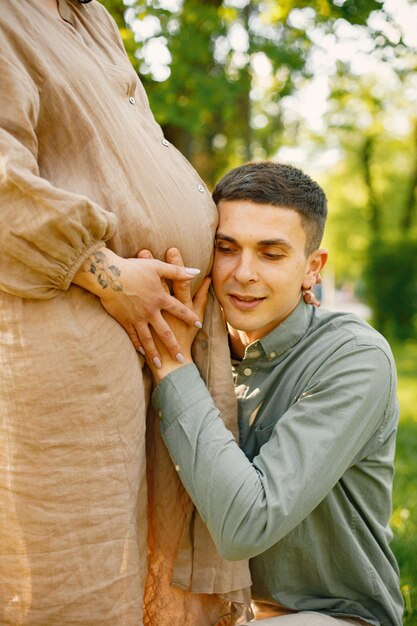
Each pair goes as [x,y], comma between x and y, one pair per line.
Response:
[82,161]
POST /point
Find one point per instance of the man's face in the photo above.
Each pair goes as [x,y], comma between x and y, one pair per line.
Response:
[260,265]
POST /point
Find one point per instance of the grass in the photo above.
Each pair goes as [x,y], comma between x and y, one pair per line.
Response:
[404,516]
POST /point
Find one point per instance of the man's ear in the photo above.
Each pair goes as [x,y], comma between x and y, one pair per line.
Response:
[315,263]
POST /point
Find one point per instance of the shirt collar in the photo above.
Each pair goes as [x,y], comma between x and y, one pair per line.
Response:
[285,335]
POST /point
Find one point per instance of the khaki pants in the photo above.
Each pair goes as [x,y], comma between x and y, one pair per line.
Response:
[306,618]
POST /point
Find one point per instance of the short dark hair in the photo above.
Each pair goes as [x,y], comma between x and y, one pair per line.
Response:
[279,184]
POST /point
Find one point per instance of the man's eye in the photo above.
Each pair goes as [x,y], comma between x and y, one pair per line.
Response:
[223,249]
[273,256]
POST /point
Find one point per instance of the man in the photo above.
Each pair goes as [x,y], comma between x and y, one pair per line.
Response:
[308,496]
[86,179]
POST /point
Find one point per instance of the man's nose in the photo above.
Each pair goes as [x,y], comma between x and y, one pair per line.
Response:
[245,270]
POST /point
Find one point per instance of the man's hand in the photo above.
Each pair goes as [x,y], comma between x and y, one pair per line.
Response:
[132,291]
[184,333]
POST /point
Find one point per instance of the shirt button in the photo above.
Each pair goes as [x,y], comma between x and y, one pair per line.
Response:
[272,355]
[132,100]
[247,371]
[177,468]
[160,413]
[165,142]
[200,188]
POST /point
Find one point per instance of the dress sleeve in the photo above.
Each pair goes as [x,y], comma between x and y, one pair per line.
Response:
[248,507]
[45,232]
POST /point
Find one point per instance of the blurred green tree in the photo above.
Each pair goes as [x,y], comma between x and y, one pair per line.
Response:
[374,228]
[228,64]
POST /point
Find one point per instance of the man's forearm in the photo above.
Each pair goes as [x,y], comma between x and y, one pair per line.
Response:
[225,486]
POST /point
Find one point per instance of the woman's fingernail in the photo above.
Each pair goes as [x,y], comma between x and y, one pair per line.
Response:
[157,362]
[142,351]
[192,270]
[180,357]
[198,324]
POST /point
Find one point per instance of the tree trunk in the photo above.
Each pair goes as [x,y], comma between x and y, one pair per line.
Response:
[410,202]
[374,208]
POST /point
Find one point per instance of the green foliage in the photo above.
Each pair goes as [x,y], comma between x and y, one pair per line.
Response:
[347,225]
[379,149]
[404,516]
[373,193]
[210,101]
[349,228]
[391,286]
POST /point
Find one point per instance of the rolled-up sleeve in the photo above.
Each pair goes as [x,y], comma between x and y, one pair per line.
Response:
[45,232]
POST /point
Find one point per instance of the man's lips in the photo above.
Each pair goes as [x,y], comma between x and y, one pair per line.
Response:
[244,303]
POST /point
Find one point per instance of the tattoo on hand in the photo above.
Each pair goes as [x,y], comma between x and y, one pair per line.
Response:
[107,275]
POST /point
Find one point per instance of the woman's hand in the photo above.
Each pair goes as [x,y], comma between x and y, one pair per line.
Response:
[184,333]
[132,291]
[309,296]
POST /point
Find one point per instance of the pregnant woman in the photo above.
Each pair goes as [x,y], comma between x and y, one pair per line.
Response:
[86,180]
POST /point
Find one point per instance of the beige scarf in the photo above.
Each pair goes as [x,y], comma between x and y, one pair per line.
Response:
[189,583]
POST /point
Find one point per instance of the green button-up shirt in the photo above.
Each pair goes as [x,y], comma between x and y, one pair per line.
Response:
[308,495]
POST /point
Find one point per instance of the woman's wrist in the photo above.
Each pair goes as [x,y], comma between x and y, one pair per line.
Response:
[100,270]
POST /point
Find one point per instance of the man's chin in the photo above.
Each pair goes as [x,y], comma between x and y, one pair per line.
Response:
[244,322]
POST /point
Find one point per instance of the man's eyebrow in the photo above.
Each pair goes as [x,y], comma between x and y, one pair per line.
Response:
[263,243]
[225,237]
[275,242]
